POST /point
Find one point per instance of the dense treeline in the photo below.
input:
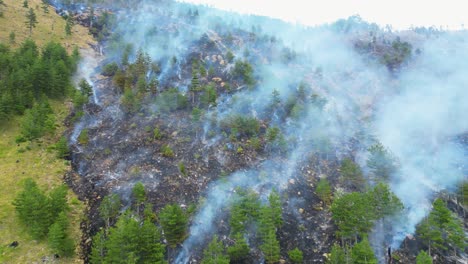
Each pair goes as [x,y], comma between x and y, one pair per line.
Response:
[28,75]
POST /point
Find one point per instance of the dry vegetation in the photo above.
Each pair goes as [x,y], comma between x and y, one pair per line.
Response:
[50,27]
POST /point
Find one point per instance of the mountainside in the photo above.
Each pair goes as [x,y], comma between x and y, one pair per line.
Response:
[226,138]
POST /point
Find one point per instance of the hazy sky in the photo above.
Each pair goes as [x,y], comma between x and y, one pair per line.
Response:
[399,13]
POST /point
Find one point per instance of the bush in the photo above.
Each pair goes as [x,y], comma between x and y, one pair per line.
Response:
[110,69]
[83,138]
[62,148]
[295,255]
[238,125]
[167,151]
[171,100]
[182,168]
[157,134]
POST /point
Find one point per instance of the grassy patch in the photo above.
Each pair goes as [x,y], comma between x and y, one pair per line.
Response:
[43,166]
[51,27]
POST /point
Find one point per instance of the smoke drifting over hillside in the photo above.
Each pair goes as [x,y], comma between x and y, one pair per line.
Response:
[347,98]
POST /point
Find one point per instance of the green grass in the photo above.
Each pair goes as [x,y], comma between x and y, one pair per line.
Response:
[47,170]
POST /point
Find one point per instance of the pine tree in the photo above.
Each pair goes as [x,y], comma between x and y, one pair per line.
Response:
[62,149]
[271,247]
[195,83]
[337,255]
[68,26]
[362,253]
[384,202]
[122,244]
[351,214]
[352,175]
[276,210]
[174,223]
[109,208]
[59,241]
[58,201]
[441,229]
[423,258]
[296,256]
[214,253]
[381,161]
[139,195]
[99,250]
[32,207]
[31,20]
[323,191]
[150,249]
[240,249]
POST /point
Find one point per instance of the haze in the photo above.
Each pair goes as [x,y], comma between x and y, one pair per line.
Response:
[400,14]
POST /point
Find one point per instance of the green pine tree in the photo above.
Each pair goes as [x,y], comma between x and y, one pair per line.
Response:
[174,223]
[296,256]
[323,191]
[214,253]
[109,209]
[31,20]
[240,250]
[271,247]
[337,255]
[362,253]
[32,207]
[59,240]
[423,258]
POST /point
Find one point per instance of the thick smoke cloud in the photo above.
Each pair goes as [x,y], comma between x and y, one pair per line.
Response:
[420,124]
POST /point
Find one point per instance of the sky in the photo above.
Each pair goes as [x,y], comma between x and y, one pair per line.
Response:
[401,14]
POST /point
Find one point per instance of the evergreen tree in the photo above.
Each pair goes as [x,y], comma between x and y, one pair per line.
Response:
[32,207]
[352,176]
[214,253]
[240,249]
[362,253]
[62,149]
[59,240]
[68,26]
[109,209]
[383,201]
[271,247]
[441,230]
[58,201]
[139,195]
[381,161]
[150,248]
[38,121]
[31,20]
[276,210]
[352,215]
[423,258]
[245,210]
[123,241]
[337,255]
[323,191]
[174,223]
[85,88]
[98,250]
[295,255]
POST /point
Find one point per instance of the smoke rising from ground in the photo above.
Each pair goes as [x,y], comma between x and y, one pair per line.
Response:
[415,113]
